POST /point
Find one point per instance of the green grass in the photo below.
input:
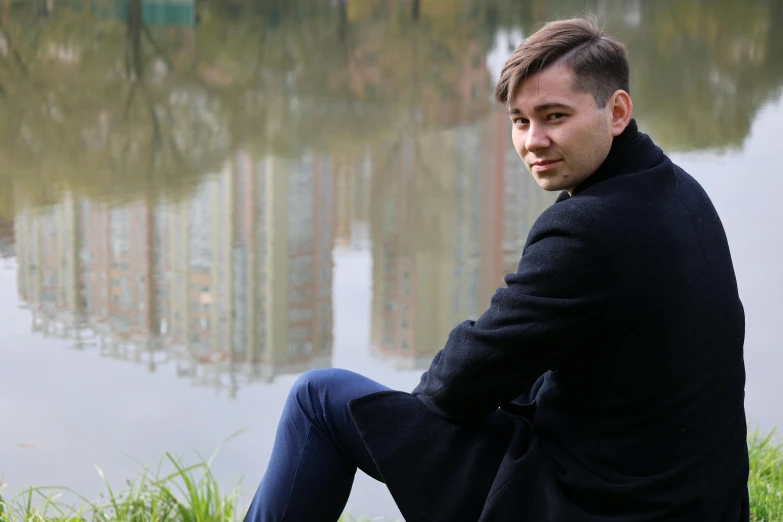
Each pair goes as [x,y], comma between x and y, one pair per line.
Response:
[179,493]
[765,483]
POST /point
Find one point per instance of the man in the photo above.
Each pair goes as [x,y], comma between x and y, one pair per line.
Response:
[605,383]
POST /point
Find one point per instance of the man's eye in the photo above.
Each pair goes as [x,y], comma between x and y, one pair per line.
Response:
[520,121]
[555,116]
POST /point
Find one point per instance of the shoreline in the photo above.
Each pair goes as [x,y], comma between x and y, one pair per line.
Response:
[191,492]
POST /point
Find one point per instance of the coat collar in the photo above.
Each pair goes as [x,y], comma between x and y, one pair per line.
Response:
[631,151]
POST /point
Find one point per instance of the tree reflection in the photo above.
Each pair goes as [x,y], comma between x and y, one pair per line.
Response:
[91,117]
[149,111]
[112,107]
[707,69]
[701,70]
[105,110]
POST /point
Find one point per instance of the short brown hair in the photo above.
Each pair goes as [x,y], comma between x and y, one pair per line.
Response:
[599,62]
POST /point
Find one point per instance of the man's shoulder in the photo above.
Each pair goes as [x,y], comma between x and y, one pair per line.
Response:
[567,217]
[665,197]
[622,198]
[563,211]
[649,187]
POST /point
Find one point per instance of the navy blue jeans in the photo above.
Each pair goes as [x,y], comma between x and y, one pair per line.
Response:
[316,452]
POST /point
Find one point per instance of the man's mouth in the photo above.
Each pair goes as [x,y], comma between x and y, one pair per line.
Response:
[540,166]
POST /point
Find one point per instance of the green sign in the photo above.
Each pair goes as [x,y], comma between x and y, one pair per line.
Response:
[162,13]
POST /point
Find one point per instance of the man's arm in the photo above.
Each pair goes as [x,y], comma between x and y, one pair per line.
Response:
[554,305]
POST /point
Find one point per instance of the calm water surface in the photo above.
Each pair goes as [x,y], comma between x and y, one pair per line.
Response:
[200,201]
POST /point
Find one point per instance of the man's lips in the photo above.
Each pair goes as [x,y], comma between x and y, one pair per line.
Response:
[543,165]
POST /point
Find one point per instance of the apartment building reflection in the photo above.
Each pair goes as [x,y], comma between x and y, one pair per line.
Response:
[233,285]
[7,248]
[450,218]
[352,178]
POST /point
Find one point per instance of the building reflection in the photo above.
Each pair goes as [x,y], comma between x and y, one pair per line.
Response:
[127,239]
[7,247]
[450,217]
[233,285]
[352,177]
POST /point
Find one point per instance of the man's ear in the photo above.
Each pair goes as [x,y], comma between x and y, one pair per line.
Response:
[620,108]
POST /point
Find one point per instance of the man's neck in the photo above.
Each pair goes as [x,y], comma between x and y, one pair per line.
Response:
[621,144]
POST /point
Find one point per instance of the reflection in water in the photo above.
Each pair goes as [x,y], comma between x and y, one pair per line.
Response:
[152,96]
[181,171]
[705,69]
[233,284]
[450,213]
[233,281]
[177,175]
[7,246]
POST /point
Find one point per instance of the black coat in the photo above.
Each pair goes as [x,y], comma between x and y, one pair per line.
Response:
[604,383]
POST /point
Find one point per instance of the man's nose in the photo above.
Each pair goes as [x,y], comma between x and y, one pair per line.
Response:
[537,138]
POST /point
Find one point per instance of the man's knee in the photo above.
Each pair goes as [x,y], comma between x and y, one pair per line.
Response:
[319,379]
[311,389]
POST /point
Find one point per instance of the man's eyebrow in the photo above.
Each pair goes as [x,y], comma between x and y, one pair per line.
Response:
[543,108]
[549,106]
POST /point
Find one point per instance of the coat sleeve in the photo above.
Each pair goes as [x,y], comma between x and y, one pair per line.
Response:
[552,308]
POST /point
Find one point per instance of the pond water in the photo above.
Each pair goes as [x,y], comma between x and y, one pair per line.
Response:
[201,200]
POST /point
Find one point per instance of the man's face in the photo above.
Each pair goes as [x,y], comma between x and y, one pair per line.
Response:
[561,134]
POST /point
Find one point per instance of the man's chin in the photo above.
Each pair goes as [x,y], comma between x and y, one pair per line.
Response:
[550,185]
[554,183]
